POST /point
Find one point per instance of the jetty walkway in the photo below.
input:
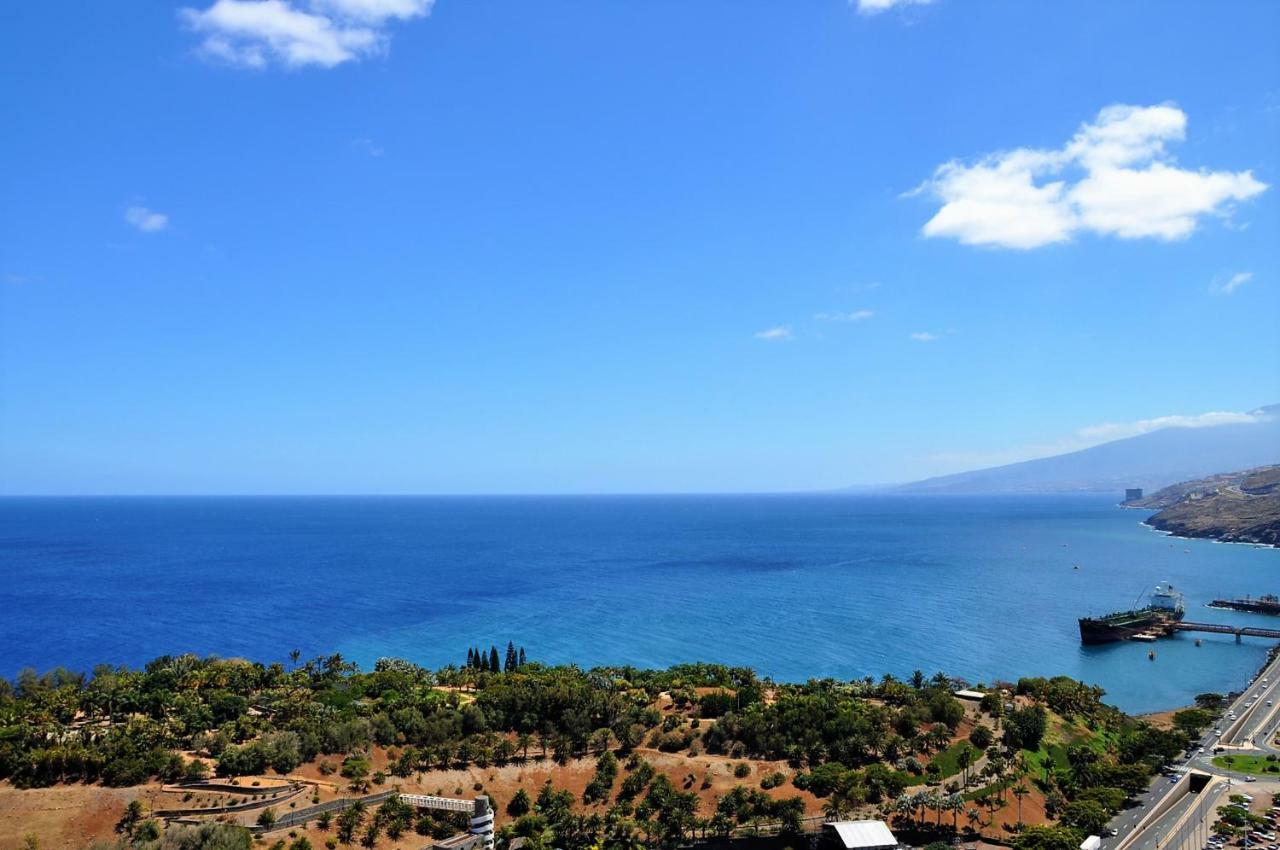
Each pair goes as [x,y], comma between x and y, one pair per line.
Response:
[1224,629]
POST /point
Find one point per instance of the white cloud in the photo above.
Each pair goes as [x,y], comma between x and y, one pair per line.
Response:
[851,316]
[296,33]
[1115,431]
[875,7]
[924,336]
[368,146]
[148,221]
[1114,177]
[1089,436]
[780,333]
[1223,285]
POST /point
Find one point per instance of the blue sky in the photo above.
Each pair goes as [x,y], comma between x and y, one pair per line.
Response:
[384,246]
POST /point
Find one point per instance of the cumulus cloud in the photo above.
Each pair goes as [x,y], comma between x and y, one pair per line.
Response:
[851,316]
[780,333]
[924,336]
[1115,177]
[148,221]
[297,33]
[875,7]
[1225,285]
[1092,435]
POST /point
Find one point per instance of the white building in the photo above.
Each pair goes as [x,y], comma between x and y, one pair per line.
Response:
[861,834]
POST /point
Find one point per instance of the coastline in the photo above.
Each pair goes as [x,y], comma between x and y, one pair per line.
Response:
[1208,537]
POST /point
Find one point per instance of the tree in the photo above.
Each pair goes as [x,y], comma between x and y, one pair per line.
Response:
[133,814]
[519,804]
[493,659]
[1086,815]
[1192,720]
[1048,838]
[1019,792]
[267,818]
[1024,728]
[520,662]
[964,758]
[981,737]
[511,662]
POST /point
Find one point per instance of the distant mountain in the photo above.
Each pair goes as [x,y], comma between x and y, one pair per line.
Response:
[1238,507]
[1151,461]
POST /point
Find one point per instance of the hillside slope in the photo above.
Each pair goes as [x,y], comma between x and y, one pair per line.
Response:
[1150,461]
[1241,507]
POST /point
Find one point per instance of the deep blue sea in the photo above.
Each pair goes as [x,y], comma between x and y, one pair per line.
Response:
[797,586]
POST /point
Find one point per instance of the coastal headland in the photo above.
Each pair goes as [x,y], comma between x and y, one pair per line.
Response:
[1236,507]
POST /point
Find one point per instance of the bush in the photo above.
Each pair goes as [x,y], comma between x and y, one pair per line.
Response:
[772,780]
[742,770]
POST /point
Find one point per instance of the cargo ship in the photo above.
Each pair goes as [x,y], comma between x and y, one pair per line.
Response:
[1156,619]
[1268,603]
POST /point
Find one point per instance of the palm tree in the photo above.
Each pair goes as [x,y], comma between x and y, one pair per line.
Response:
[1019,792]
[964,758]
[904,806]
[955,804]
[524,740]
[833,809]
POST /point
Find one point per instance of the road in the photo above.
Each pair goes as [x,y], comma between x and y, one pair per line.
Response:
[1251,731]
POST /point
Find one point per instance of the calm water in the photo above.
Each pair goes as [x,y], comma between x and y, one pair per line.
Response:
[796,586]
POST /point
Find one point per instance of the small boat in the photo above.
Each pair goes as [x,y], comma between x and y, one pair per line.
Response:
[1151,655]
[1197,641]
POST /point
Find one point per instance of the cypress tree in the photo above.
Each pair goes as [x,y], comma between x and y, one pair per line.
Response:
[471,657]
[493,659]
[510,663]
[520,662]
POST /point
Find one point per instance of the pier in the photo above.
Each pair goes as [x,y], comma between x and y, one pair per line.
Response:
[1224,629]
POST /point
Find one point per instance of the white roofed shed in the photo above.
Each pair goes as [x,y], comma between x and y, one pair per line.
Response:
[862,834]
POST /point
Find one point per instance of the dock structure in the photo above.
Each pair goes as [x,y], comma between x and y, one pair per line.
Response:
[1224,629]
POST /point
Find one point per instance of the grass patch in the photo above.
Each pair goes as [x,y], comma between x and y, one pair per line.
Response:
[948,761]
[1249,764]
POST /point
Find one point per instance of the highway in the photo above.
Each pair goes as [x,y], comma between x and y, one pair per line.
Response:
[1251,731]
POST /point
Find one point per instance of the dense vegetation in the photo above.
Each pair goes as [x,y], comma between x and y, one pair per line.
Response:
[850,743]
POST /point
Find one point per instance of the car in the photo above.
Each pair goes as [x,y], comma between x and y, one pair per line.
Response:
[1112,832]
[1250,779]
[1201,750]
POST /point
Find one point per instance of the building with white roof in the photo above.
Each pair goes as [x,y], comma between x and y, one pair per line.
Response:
[861,834]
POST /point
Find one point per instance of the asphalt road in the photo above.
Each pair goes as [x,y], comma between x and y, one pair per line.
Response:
[1254,734]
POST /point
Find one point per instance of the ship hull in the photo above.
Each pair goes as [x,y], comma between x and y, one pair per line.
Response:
[1253,606]
[1125,626]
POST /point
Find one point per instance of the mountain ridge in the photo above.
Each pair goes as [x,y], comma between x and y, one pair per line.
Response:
[1151,461]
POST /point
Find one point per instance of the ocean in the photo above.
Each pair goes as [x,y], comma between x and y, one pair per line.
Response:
[796,586]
